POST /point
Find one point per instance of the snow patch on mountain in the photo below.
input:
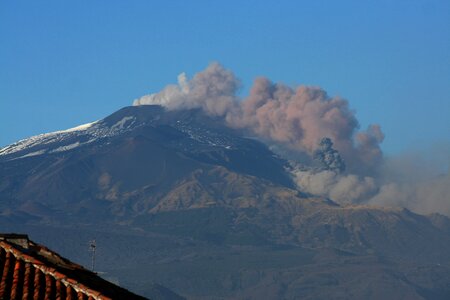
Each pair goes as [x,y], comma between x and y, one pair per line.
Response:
[78,128]
[67,147]
[206,136]
[69,139]
[33,153]
[44,139]
[126,122]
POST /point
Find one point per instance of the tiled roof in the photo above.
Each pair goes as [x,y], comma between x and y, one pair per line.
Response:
[32,271]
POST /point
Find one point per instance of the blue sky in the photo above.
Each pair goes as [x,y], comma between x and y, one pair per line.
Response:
[64,63]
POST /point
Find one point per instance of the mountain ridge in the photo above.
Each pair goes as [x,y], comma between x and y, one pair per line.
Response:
[188,179]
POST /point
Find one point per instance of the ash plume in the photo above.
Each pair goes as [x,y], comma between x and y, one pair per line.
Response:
[212,90]
[295,118]
[417,180]
[329,158]
[341,188]
[312,126]
[428,196]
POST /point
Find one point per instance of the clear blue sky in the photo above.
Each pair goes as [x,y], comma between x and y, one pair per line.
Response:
[64,63]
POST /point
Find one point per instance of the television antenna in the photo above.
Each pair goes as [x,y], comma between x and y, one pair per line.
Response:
[92,247]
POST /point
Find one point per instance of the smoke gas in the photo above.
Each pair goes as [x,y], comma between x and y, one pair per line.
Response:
[306,121]
[296,118]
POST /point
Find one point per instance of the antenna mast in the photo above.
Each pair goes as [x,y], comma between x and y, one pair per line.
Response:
[92,247]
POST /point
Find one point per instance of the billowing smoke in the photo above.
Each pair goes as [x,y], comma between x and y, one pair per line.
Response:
[295,118]
[410,181]
[328,179]
[429,196]
[213,90]
[419,181]
[342,188]
[328,156]
[314,126]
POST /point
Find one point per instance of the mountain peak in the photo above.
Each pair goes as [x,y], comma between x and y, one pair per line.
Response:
[188,186]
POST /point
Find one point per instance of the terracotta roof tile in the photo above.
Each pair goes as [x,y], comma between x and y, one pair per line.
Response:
[32,271]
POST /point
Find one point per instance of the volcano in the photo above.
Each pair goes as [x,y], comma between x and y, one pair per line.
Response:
[177,198]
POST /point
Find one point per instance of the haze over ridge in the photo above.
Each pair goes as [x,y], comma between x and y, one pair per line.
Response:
[294,120]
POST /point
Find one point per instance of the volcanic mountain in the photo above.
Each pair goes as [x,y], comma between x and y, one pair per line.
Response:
[175,197]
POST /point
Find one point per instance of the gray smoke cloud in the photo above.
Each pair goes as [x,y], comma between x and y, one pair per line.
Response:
[296,118]
[419,181]
[329,158]
[314,126]
[429,196]
[341,188]
[213,90]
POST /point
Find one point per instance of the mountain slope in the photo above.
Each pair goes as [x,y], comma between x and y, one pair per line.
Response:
[139,155]
[207,212]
